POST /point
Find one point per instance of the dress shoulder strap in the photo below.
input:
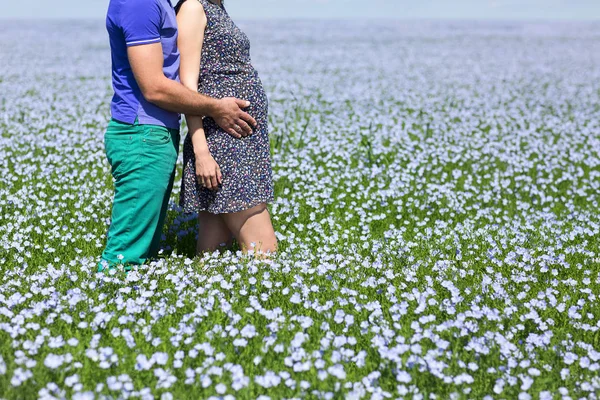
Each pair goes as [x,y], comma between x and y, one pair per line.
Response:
[205,3]
[208,4]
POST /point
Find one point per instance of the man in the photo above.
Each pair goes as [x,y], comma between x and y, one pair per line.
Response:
[142,139]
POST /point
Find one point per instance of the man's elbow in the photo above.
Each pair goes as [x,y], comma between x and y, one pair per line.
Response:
[153,93]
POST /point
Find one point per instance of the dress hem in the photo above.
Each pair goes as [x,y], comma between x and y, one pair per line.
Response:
[235,210]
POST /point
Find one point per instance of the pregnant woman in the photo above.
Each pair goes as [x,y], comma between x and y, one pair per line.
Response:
[227,177]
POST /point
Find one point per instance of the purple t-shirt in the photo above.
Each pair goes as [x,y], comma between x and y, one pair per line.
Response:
[135,23]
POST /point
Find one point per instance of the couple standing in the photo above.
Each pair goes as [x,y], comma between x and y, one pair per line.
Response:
[190,59]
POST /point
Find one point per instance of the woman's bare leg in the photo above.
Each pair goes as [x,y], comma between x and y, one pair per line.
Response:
[213,233]
[253,229]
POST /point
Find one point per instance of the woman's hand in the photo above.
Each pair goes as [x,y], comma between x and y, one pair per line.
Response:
[208,172]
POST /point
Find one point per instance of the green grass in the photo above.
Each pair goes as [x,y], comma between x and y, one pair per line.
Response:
[431,230]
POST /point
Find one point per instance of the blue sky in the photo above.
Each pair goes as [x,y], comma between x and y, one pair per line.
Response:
[405,9]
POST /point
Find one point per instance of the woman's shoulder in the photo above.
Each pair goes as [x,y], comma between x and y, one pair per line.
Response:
[190,6]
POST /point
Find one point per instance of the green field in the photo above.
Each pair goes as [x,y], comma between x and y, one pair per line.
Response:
[437,194]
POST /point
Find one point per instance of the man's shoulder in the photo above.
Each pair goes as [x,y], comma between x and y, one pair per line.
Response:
[131,8]
[141,3]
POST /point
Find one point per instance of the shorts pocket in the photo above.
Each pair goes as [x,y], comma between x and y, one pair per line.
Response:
[156,135]
[119,151]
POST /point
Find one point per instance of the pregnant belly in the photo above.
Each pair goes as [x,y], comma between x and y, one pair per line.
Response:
[242,86]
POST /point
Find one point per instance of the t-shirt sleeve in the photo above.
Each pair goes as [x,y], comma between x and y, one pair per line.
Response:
[141,21]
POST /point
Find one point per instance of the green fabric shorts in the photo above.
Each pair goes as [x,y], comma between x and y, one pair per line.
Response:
[142,160]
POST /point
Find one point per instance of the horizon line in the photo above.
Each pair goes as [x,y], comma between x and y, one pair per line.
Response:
[389,19]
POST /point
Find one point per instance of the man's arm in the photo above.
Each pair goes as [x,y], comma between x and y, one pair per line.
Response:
[147,64]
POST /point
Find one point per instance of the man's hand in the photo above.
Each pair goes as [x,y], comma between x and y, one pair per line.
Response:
[147,64]
[229,116]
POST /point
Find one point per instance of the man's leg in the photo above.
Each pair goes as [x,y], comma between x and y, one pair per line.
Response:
[143,159]
[173,150]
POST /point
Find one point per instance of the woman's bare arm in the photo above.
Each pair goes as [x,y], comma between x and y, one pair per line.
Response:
[191,21]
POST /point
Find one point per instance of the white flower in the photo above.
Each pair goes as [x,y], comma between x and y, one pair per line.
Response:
[249,331]
[83,396]
[403,377]
[160,358]
[221,388]
[70,381]
[142,362]
[114,384]
[337,371]
[296,299]
[53,361]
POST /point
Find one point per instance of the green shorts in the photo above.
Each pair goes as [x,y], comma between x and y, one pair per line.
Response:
[142,160]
